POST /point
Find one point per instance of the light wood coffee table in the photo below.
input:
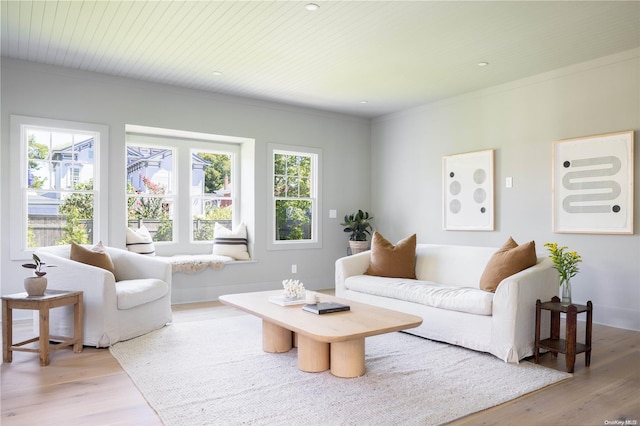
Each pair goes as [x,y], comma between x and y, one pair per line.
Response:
[331,341]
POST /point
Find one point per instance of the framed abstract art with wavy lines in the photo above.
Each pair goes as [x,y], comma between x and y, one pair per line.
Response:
[593,184]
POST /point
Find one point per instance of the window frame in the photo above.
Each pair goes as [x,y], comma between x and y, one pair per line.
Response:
[316,196]
[184,144]
[18,174]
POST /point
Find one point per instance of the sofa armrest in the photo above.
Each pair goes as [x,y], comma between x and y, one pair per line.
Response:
[131,266]
[514,309]
[349,266]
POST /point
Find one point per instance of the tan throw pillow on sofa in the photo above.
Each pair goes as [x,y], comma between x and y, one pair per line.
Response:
[94,256]
[508,260]
[391,261]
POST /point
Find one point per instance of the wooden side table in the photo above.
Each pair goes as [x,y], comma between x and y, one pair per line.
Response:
[50,299]
[568,346]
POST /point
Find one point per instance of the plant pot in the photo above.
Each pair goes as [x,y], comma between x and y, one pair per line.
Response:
[35,286]
[359,246]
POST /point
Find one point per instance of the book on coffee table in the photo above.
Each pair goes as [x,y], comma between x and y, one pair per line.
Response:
[325,308]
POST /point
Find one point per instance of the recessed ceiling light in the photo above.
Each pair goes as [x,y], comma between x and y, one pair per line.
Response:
[483,64]
[364,102]
[216,73]
[312,6]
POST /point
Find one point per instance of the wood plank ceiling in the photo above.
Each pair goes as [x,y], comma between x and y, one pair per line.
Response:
[393,54]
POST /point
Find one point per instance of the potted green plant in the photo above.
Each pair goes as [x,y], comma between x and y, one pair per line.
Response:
[36,286]
[566,263]
[358,224]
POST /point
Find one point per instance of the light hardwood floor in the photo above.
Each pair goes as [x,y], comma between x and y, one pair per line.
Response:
[91,389]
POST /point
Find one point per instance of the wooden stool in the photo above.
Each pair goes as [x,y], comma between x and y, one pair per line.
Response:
[51,299]
[567,346]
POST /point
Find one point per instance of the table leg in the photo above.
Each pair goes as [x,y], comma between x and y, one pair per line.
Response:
[44,335]
[7,331]
[313,356]
[587,355]
[347,358]
[555,329]
[536,346]
[275,339]
[77,325]
[571,338]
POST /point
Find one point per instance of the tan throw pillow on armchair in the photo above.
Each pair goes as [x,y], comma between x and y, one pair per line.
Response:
[94,256]
[508,260]
[392,261]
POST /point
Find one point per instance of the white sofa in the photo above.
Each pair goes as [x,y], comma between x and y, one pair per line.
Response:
[138,303]
[447,296]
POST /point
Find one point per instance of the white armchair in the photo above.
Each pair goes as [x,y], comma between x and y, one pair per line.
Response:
[138,303]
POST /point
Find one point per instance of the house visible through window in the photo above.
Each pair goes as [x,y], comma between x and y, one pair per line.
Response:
[212,194]
[150,194]
[294,187]
[56,165]
[179,188]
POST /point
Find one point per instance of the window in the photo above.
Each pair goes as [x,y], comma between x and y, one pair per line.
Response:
[294,187]
[57,166]
[179,184]
[150,193]
[212,192]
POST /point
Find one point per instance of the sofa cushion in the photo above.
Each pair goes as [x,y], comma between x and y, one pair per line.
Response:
[232,243]
[132,293]
[393,261]
[94,256]
[510,259]
[140,241]
[462,299]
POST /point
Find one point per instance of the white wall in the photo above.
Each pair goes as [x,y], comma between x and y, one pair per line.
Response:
[520,120]
[51,92]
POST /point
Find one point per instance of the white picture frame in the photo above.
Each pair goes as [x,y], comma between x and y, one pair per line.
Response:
[468,191]
[592,184]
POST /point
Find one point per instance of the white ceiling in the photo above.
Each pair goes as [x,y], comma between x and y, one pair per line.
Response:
[393,54]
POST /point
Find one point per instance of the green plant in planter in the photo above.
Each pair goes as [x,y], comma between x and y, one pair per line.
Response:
[37,265]
[358,224]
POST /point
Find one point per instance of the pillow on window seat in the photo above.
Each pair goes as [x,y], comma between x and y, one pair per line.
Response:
[232,243]
[139,241]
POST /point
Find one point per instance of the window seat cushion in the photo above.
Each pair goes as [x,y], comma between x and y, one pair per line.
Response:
[194,263]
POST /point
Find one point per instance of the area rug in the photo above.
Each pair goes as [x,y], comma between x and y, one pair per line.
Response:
[214,372]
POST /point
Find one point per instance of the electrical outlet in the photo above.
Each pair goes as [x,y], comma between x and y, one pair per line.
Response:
[294,269]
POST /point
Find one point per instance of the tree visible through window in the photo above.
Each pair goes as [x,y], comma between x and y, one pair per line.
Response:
[294,193]
[150,194]
[212,192]
[59,189]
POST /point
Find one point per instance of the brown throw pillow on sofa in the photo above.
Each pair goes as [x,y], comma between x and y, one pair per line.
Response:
[508,260]
[94,256]
[391,261]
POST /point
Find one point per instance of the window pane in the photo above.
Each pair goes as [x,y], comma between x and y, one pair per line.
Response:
[293,220]
[279,186]
[149,170]
[59,218]
[211,173]
[279,164]
[214,210]
[155,212]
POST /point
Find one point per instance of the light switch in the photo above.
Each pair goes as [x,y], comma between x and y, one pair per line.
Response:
[332,214]
[509,182]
